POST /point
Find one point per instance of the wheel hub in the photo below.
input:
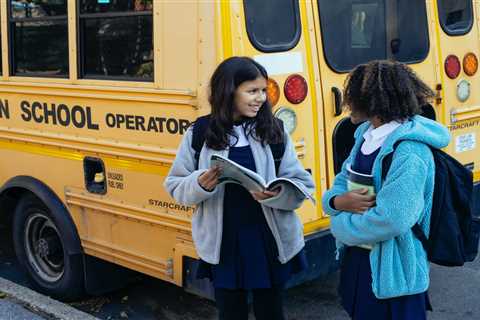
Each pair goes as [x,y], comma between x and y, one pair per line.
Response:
[42,248]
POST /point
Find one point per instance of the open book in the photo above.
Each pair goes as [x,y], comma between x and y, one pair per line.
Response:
[234,173]
[356,180]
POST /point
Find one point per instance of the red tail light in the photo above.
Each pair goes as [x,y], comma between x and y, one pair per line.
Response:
[295,89]
[452,66]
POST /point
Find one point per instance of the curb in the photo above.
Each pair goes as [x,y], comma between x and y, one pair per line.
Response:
[41,303]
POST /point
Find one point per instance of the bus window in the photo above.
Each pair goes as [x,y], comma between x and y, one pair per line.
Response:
[362,28]
[356,31]
[116,39]
[39,35]
[272,30]
[456,16]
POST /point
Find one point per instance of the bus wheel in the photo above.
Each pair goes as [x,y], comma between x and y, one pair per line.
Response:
[40,249]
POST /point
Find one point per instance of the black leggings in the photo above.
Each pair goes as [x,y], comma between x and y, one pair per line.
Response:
[233,304]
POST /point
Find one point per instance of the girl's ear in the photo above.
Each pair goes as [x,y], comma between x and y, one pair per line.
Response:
[356,117]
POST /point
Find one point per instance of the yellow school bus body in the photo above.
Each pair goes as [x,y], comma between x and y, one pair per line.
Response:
[136,224]
[462,118]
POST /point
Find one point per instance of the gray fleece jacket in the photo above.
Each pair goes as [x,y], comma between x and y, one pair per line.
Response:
[207,223]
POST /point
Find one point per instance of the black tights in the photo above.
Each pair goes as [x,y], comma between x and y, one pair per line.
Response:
[233,304]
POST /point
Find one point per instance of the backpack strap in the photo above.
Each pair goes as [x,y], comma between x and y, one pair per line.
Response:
[418,232]
[416,229]
[387,161]
[198,135]
[278,149]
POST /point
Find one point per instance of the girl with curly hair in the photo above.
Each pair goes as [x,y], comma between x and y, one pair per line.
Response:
[385,272]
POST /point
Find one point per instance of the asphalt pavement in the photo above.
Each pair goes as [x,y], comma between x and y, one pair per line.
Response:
[453,292]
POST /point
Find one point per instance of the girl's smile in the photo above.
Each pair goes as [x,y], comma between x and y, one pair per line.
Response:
[249,98]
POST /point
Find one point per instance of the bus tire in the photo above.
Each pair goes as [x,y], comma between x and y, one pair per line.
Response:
[40,249]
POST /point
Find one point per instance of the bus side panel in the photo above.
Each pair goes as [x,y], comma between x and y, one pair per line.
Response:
[135,223]
[134,133]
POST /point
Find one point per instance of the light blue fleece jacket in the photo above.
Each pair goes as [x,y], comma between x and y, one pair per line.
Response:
[398,261]
[207,222]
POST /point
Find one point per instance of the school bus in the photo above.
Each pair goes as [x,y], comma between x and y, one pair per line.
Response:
[95,96]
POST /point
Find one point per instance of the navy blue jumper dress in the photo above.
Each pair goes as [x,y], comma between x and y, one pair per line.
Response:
[355,287]
[248,254]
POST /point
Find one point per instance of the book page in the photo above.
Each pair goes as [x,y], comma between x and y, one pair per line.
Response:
[279,181]
[235,173]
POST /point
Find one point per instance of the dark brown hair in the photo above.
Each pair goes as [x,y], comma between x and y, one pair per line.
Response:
[387,89]
[223,83]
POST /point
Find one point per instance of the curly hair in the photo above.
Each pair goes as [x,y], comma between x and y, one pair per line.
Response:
[389,90]
[224,82]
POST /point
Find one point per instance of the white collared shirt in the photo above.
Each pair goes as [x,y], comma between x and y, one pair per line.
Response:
[242,138]
[375,137]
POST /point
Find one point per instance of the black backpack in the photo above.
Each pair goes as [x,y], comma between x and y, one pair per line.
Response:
[454,231]
[198,138]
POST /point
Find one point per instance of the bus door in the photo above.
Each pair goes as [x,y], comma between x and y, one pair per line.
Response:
[458,42]
[351,32]
[279,40]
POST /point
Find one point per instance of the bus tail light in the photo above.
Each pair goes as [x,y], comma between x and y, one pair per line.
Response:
[295,89]
[463,90]
[452,66]
[273,91]
[288,117]
[470,64]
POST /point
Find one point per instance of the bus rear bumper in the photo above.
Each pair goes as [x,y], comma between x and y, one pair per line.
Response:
[476,199]
[320,250]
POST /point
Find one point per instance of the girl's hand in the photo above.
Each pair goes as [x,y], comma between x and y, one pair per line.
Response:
[356,201]
[267,194]
[209,179]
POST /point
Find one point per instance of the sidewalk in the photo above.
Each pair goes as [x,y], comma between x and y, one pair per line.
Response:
[43,306]
[11,310]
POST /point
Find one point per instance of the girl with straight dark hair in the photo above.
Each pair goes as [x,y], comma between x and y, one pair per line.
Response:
[247,241]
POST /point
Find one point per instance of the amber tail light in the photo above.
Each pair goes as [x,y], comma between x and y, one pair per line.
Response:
[470,64]
[273,91]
